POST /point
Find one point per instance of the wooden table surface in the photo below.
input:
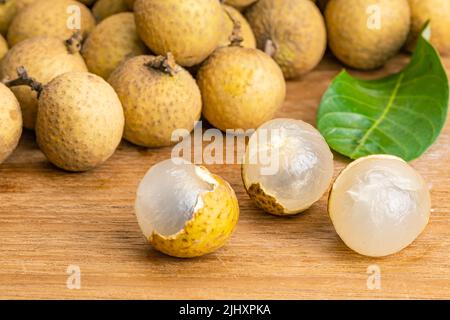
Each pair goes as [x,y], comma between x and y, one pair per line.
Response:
[51,220]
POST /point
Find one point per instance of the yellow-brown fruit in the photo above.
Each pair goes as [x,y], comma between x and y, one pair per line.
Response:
[10,122]
[130,3]
[51,18]
[189,29]
[438,13]
[44,58]
[106,8]
[232,19]
[184,210]
[240,3]
[80,121]
[112,40]
[364,34]
[3,47]
[8,10]
[291,31]
[241,88]
[158,97]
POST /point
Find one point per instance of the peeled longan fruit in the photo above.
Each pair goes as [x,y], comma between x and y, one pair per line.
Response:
[234,19]
[158,97]
[291,31]
[79,122]
[51,18]
[106,8]
[288,166]
[379,205]
[3,47]
[189,29]
[438,13]
[364,34]
[241,88]
[112,40]
[10,122]
[44,58]
[184,210]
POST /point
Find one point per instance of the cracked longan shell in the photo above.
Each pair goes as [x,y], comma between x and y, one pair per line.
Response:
[49,18]
[208,230]
[292,31]
[79,122]
[44,58]
[359,46]
[155,103]
[265,201]
[10,122]
[189,29]
[241,88]
[112,40]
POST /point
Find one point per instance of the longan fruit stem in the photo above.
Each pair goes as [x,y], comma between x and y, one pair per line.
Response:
[236,38]
[165,64]
[74,43]
[24,80]
[270,48]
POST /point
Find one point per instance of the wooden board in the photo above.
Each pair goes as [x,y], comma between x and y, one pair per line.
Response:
[50,219]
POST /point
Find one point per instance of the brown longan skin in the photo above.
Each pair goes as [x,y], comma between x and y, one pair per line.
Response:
[10,122]
[80,121]
[358,46]
[112,40]
[48,17]
[241,88]
[296,29]
[155,103]
[44,58]
[189,29]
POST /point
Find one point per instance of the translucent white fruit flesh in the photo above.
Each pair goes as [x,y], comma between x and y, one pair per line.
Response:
[379,205]
[291,162]
[169,194]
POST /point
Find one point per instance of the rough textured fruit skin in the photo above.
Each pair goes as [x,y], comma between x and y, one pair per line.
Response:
[8,10]
[106,8]
[240,3]
[112,40]
[155,103]
[231,15]
[296,29]
[189,29]
[80,121]
[209,229]
[265,201]
[438,13]
[10,122]
[241,88]
[130,3]
[3,47]
[358,46]
[48,17]
[44,58]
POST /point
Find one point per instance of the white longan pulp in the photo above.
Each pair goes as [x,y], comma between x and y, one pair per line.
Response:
[169,194]
[379,205]
[304,165]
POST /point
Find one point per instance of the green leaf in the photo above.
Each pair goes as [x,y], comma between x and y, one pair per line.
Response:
[402,114]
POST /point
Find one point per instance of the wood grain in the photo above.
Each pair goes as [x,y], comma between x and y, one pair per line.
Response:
[50,219]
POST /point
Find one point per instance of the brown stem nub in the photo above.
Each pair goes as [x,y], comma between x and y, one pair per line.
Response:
[270,48]
[25,80]
[73,44]
[235,38]
[164,64]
